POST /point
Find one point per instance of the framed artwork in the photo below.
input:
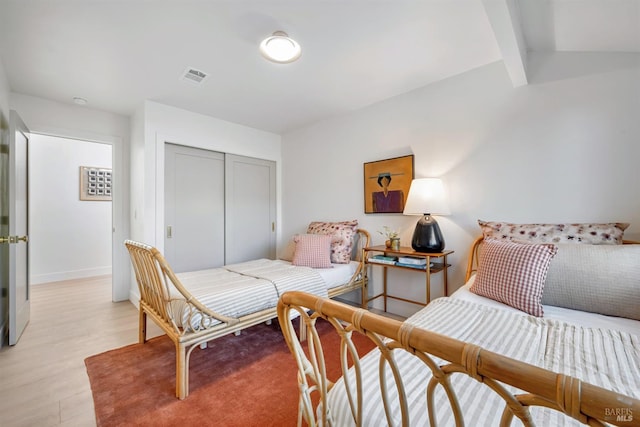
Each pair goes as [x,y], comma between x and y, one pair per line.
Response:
[386,184]
[95,183]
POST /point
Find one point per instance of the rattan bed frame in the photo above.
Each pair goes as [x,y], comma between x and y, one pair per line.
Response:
[155,279]
[584,402]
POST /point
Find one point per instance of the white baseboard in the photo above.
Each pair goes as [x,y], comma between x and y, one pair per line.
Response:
[37,279]
[134,297]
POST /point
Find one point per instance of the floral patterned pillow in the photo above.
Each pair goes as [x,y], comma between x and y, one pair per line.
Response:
[342,233]
[587,233]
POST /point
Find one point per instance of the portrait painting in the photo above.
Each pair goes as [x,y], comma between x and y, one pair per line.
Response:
[386,184]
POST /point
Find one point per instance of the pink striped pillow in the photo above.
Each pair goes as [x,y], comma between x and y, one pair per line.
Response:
[513,273]
[312,250]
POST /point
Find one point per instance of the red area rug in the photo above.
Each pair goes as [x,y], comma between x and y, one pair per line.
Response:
[248,380]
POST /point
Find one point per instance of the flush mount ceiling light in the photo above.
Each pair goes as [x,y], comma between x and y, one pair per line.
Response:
[79,101]
[280,48]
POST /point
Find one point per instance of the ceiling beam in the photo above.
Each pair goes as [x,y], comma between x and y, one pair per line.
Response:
[504,18]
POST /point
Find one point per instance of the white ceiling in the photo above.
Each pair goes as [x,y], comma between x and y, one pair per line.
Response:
[117,53]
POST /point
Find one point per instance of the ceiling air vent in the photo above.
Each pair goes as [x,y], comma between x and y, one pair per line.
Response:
[193,75]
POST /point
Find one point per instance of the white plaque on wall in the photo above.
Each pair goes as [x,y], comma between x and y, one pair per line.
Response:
[95,183]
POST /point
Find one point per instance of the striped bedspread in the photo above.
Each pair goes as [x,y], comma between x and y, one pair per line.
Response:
[240,289]
[284,276]
[607,358]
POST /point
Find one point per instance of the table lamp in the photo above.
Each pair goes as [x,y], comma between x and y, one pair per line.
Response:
[427,197]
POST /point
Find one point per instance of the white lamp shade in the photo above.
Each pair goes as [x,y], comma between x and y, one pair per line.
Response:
[427,196]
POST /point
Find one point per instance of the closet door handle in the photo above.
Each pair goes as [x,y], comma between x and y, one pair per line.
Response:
[169,232]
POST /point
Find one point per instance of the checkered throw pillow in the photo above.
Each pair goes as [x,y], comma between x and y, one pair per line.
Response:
[312,250]
[513,273]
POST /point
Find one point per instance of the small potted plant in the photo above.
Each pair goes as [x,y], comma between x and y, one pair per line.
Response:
[393,239]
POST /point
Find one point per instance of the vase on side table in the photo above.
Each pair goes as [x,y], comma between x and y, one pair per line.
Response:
[395,244]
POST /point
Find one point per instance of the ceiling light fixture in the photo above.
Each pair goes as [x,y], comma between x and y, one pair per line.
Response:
[79,101]
[280,48]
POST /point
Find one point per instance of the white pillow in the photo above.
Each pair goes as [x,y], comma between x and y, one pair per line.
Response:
[601,279]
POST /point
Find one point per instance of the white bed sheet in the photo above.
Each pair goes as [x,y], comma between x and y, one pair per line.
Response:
[574,317]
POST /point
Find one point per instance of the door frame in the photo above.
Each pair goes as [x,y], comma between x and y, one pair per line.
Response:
[19,310]
[120,271]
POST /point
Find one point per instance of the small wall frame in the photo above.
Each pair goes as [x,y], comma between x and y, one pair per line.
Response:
[386,184]
[96,183]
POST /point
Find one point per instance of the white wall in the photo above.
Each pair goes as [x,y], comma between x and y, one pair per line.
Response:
[68,238]
[137,177]
[71,121]
[152,126]
[562,149]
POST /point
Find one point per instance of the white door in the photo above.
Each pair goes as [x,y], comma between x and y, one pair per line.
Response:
[14,236]
[250,208]
[194,208]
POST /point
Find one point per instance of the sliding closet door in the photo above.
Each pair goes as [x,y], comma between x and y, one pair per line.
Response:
[194,208]
[250,208]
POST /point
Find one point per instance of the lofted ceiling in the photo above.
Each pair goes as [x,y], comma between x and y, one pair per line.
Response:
[118,53]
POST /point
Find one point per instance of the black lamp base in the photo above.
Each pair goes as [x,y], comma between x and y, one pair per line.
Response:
[427,236]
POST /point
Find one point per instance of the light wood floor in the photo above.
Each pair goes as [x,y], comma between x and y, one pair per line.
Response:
[43,379]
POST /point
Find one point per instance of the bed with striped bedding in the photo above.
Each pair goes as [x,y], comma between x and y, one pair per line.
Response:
[196,307]
[602,357]
[241,289]
[470,359]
